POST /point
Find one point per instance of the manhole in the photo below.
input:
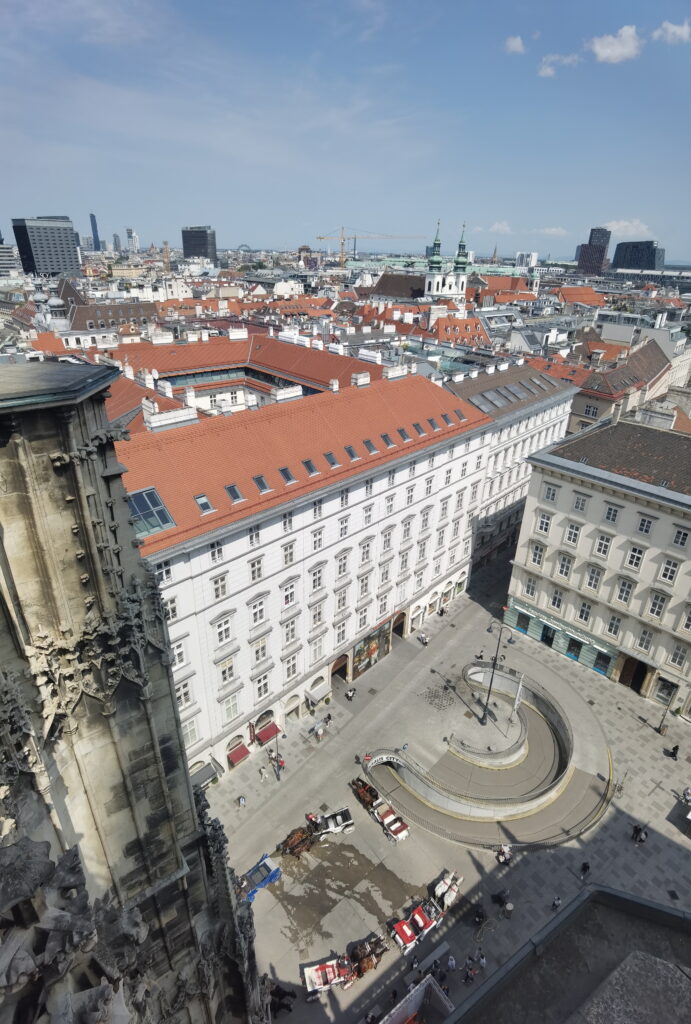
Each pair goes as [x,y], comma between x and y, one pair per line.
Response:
[373,693]
[469,714]
[673,894]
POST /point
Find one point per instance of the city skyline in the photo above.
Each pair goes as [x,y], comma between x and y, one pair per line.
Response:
[530,123]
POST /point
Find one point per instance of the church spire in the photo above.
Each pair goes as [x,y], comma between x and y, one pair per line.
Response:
[434,264]
[460,263]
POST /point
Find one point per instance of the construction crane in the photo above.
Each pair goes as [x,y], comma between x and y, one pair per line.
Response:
[343,238]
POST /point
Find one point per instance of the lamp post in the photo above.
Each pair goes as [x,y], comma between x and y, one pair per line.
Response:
[495,659]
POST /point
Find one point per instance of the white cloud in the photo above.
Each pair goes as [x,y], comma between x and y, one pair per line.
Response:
[555,232]
[374,13]
[670,33]
[514,44]
[500,227]
[626,44]
[629,228]
[550,62]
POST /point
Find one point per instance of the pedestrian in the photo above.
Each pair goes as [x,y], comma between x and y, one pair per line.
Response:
[281,765]
[451,963]
[262,773]
[686,795]
[482,961]
[556,903]
[416,963]
[394,997]
[585,870]
[241,801]
[469,962]
[642,836]
[674,752]
[404,747]
[445,989]
[319,733]
[469,977]
[635,833]
[328,720]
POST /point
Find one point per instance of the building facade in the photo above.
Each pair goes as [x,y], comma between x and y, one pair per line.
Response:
[199,241]
[46,245]
[638,256]
[306,536]
[602,571]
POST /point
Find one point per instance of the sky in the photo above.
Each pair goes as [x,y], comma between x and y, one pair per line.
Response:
[280,120]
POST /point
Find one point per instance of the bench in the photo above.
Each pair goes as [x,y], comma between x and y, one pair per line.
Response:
[436,954]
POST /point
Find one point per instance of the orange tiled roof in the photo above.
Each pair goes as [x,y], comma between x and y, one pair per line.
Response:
[125,396]
[453,329]
[235,449]
[47,341]
[586,296]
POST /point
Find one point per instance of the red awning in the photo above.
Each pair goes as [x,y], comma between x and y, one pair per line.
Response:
[267,733]
[238,754]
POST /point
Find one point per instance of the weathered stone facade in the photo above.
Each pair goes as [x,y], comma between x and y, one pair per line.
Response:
[116,899]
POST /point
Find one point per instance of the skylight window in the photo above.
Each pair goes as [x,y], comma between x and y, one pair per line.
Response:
[233,492]
[369,446]
[310,467]
[433,424]
[403,434]
[331,459]
[459,414]
[148,512]
[447,419]
[351,453]
[204,503]
[419,430]
[387,441]
[261,483]
[287,475]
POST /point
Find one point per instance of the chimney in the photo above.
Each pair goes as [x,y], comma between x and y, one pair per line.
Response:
[333,384]
[360,380]
[128,371]
[189,398]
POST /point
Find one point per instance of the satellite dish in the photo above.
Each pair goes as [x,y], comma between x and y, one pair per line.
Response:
[154,373]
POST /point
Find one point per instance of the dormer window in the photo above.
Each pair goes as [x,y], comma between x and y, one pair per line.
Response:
[203,503]
[459,414]
[387,441]
[418,429]
[261,483]
[310,467]
[447,419]
[287,475]
[433,424]
[369,446]
[403,434]
[351,453]
[331,459]
[233,492]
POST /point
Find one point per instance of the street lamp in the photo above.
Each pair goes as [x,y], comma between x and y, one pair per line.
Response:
[494,660]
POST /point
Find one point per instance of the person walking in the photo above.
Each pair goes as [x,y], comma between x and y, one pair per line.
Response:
[262,774]
[415,963]
[585,870]
[642,836]
[482,961]
[469,961]
[674,752]
[241,801]
[636,831]
[451,963]
[556,903]
[686,795]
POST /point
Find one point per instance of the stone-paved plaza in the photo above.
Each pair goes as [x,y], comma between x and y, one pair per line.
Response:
[350,886]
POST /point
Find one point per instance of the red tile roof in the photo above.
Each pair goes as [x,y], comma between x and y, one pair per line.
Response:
[585,296]
[46,341]
[205,457]
[125,397]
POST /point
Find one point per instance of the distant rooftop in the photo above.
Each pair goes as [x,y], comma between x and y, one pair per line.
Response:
[48,383]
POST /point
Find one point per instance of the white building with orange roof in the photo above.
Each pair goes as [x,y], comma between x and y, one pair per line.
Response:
[290,544]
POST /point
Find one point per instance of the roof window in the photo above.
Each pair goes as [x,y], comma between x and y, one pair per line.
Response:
[351,453]
[310,467]
[261,483]
[420,431]
[369,446]
[148,512]
[387,441]
[204,503]
[433,424]
[287,475]
[233,492]
[403,434]
[447,419]
[331,459]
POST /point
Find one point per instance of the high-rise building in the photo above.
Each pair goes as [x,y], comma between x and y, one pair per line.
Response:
[199,241]
[132,240]
[592,256]
[117,245]
[46,245]
[9,264]
[639,256]
[87,243]
[525,260]
[94,232]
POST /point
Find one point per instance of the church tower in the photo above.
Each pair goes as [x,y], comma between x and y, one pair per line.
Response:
[447,284]
[434,278]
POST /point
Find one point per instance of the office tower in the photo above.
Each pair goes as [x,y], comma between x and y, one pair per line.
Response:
[94,232]
[639,256]
[9,264]
[132,240]
[118,903]
[592,256]
[199,241]
[87,243]
[525,260]
[46,245]
[117,245]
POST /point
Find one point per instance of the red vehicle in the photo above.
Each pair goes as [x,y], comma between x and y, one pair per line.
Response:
[408,932]
[337,970]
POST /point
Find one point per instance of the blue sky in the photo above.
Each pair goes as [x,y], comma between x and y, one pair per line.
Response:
[278,120]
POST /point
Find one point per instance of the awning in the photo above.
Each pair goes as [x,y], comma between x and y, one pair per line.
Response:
[267,733]
[320,690]
[238,754]
[204,775]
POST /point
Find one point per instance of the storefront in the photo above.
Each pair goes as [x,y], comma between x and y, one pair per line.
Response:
[562,637]
[369,651]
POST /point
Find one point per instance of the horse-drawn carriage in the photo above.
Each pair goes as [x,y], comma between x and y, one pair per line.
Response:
[394,826]
[316,828]
[366,955]
[344,970]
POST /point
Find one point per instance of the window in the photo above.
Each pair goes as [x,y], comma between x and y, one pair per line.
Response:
[178,656]
[634,558]
[452,555]
[584,611]
[310,467]
[383,605]
[680,538]
[183,694]
[456,529]
[388,505]
[317,577]
[231,708]
[544,522]
[433,423]
[386,540]
[287,475]
[564,566]
[444,508]
[591,411]
[216,551]
[418,579]
[340,633]
[678,655]
[424,519]
[409,495]
[163,572]
[430,461]
[256,572]
[537,554]
[602,662]
[262,686]
[148,512]
[418,430]
[687,619]
[645,639]
[227,670]
[603,545]
[611,513]
[478,462]
[473,492]
[344,496]
[289,553]
[289,632]
[342,565]
[170,609]
[259,652]
[317,507]
[573,532]
[287,520]
[364,588]
[220,586]
[464,469]
[368,488]
[203,503]
[387,440]
[341,599]
[669,570]
[363,616]
[365,552]
[261,484]
[369,446]
[592,577]
[343,527]
[407,527]
[411,468]
[645,525]
[579,503]
[625,591]
[614,625]
[224,630]
[657,605]
[316,650]
[190,733]
[447,478]
[351,453]
[318,614]
[367,515]
[428,486]
[557,598]
[254,536]
[405,557]
[459,500]
[257,612]
[391,478]
[318,540]
[440,537]
[529,587]
[385,573]
[331,459]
